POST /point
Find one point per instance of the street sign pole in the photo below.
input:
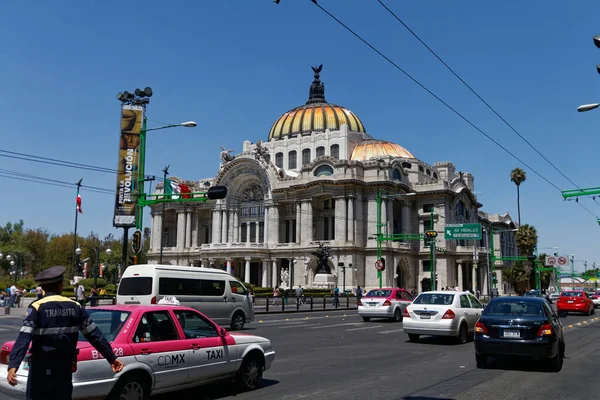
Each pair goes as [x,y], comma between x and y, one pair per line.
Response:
[432,252]
[379,237]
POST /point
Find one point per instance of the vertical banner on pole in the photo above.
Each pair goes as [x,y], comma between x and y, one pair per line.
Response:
[101,268]
[85,270]
[129,150]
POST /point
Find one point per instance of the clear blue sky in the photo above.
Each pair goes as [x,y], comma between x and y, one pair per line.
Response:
[236,66]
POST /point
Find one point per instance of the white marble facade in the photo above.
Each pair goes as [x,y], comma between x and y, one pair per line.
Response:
[316,181]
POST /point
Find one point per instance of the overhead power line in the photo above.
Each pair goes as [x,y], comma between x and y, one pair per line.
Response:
[455,111]
[492,109]
[54,161]
[5,173]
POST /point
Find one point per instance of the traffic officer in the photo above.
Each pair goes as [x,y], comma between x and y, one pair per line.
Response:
[53,323]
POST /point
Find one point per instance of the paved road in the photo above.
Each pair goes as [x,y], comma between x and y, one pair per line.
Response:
[335,355]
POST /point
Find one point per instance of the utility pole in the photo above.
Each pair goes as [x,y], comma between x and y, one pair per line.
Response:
[75,232]
[573,271]
[432,252]
[379,236]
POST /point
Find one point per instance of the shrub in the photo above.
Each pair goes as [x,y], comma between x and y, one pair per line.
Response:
[27,283]
[89,283]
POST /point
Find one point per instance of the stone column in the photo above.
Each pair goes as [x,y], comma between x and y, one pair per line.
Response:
[247,231]
[459,274]
[215,230]
[275,225]
[202,263]
[298,223]
[359,220]
[406,218]
[350,220]
[372,218]
[274,277]
[229,226]
[340,218]
[265,273]
[228,265]
[384,216]
[236,227]
[180,229]
[194,229]
[188,229]
[267,221]
[247,270]
[225,226]
[257,229]
[309,221]
[474,282]
[157,230]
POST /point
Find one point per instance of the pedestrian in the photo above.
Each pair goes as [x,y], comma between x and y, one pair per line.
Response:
[12,296]
[52,324]
[80,295]
[94,296]
[299,294]
[275,294]
[39,292]
[336,297]
[359,294]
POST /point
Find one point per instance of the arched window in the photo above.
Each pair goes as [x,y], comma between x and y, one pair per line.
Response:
[279,160]
[406,165]
[305,156]
[421,169]
[324,170]
[320,151]
[292,164]
[428,172]
[434,175]
[396,174]
[335,151]
[460,209]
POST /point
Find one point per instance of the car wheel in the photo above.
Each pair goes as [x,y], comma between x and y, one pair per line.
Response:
[413,337]
[249,376]
[133,386]
[481,360]
[238,321]
[556,363]
[366,319]
[397,316]
[593,310]
[462,334]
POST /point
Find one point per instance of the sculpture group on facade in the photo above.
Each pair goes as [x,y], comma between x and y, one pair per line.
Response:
[226,155]
[323,256]
[261,153]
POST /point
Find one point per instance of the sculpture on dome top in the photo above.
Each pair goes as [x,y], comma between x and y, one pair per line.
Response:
[317,88]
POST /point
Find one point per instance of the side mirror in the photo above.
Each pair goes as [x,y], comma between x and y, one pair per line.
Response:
[562,314]
[222,332]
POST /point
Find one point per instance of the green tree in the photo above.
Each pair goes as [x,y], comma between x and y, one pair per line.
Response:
[518,176]
[36,243]
[59,251]
[527,240]
[517,275]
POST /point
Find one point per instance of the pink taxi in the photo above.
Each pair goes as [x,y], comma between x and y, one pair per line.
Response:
[163,348]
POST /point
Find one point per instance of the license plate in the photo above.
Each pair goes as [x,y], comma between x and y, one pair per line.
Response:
[570,301]
[425,316]
[512,334]
[372,304]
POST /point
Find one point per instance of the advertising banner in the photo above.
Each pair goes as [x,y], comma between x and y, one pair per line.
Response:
[129,150]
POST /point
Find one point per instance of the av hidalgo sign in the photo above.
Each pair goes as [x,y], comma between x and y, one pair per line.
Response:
[462,231]
[132,117]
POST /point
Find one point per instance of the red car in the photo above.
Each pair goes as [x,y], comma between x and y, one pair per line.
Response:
[384,303]
[575,301]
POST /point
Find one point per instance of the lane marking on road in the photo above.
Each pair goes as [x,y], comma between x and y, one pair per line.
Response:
[392,331]
[298,325]
[337,325]
[364,327]
[284,323]
[268,320]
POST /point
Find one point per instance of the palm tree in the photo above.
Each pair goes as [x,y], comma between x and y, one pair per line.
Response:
[518,176]
[527,240]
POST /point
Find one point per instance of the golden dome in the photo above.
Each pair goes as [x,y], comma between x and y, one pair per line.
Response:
[315,116]
[372,148]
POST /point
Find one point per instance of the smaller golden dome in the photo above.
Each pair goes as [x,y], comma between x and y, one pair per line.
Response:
[373,148]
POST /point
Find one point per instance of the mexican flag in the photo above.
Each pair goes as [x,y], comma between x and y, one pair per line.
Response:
[176,189]
[79,201]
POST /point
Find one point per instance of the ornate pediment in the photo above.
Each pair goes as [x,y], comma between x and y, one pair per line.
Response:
[253,193]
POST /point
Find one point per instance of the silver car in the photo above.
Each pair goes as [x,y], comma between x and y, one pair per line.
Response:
[442,313]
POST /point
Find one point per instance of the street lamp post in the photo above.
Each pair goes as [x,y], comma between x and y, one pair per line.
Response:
[16,264]
[162,216]
[97,259]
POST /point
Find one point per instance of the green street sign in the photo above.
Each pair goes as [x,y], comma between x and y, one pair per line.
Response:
[462,231]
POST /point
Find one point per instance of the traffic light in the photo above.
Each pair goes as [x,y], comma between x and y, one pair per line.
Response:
[136,241]
[382,262]
[431,234]
[494,278]
[217,192]
[133,260]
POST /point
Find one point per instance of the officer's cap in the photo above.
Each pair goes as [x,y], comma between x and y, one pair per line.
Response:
[51,275]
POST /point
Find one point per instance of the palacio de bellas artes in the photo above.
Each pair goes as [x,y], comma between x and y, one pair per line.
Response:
[315,183]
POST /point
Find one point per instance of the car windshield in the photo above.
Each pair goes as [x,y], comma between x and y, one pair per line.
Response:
[379,293]
[109,322]
[434,298]
[138,286]
[571,294]
[513,308]
[532,293]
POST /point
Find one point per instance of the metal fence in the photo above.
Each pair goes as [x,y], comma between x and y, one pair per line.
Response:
[304,303]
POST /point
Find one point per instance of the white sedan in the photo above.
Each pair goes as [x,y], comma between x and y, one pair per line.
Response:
[163,349]
[442,313]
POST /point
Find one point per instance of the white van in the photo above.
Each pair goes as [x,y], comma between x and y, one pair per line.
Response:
[213,292]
